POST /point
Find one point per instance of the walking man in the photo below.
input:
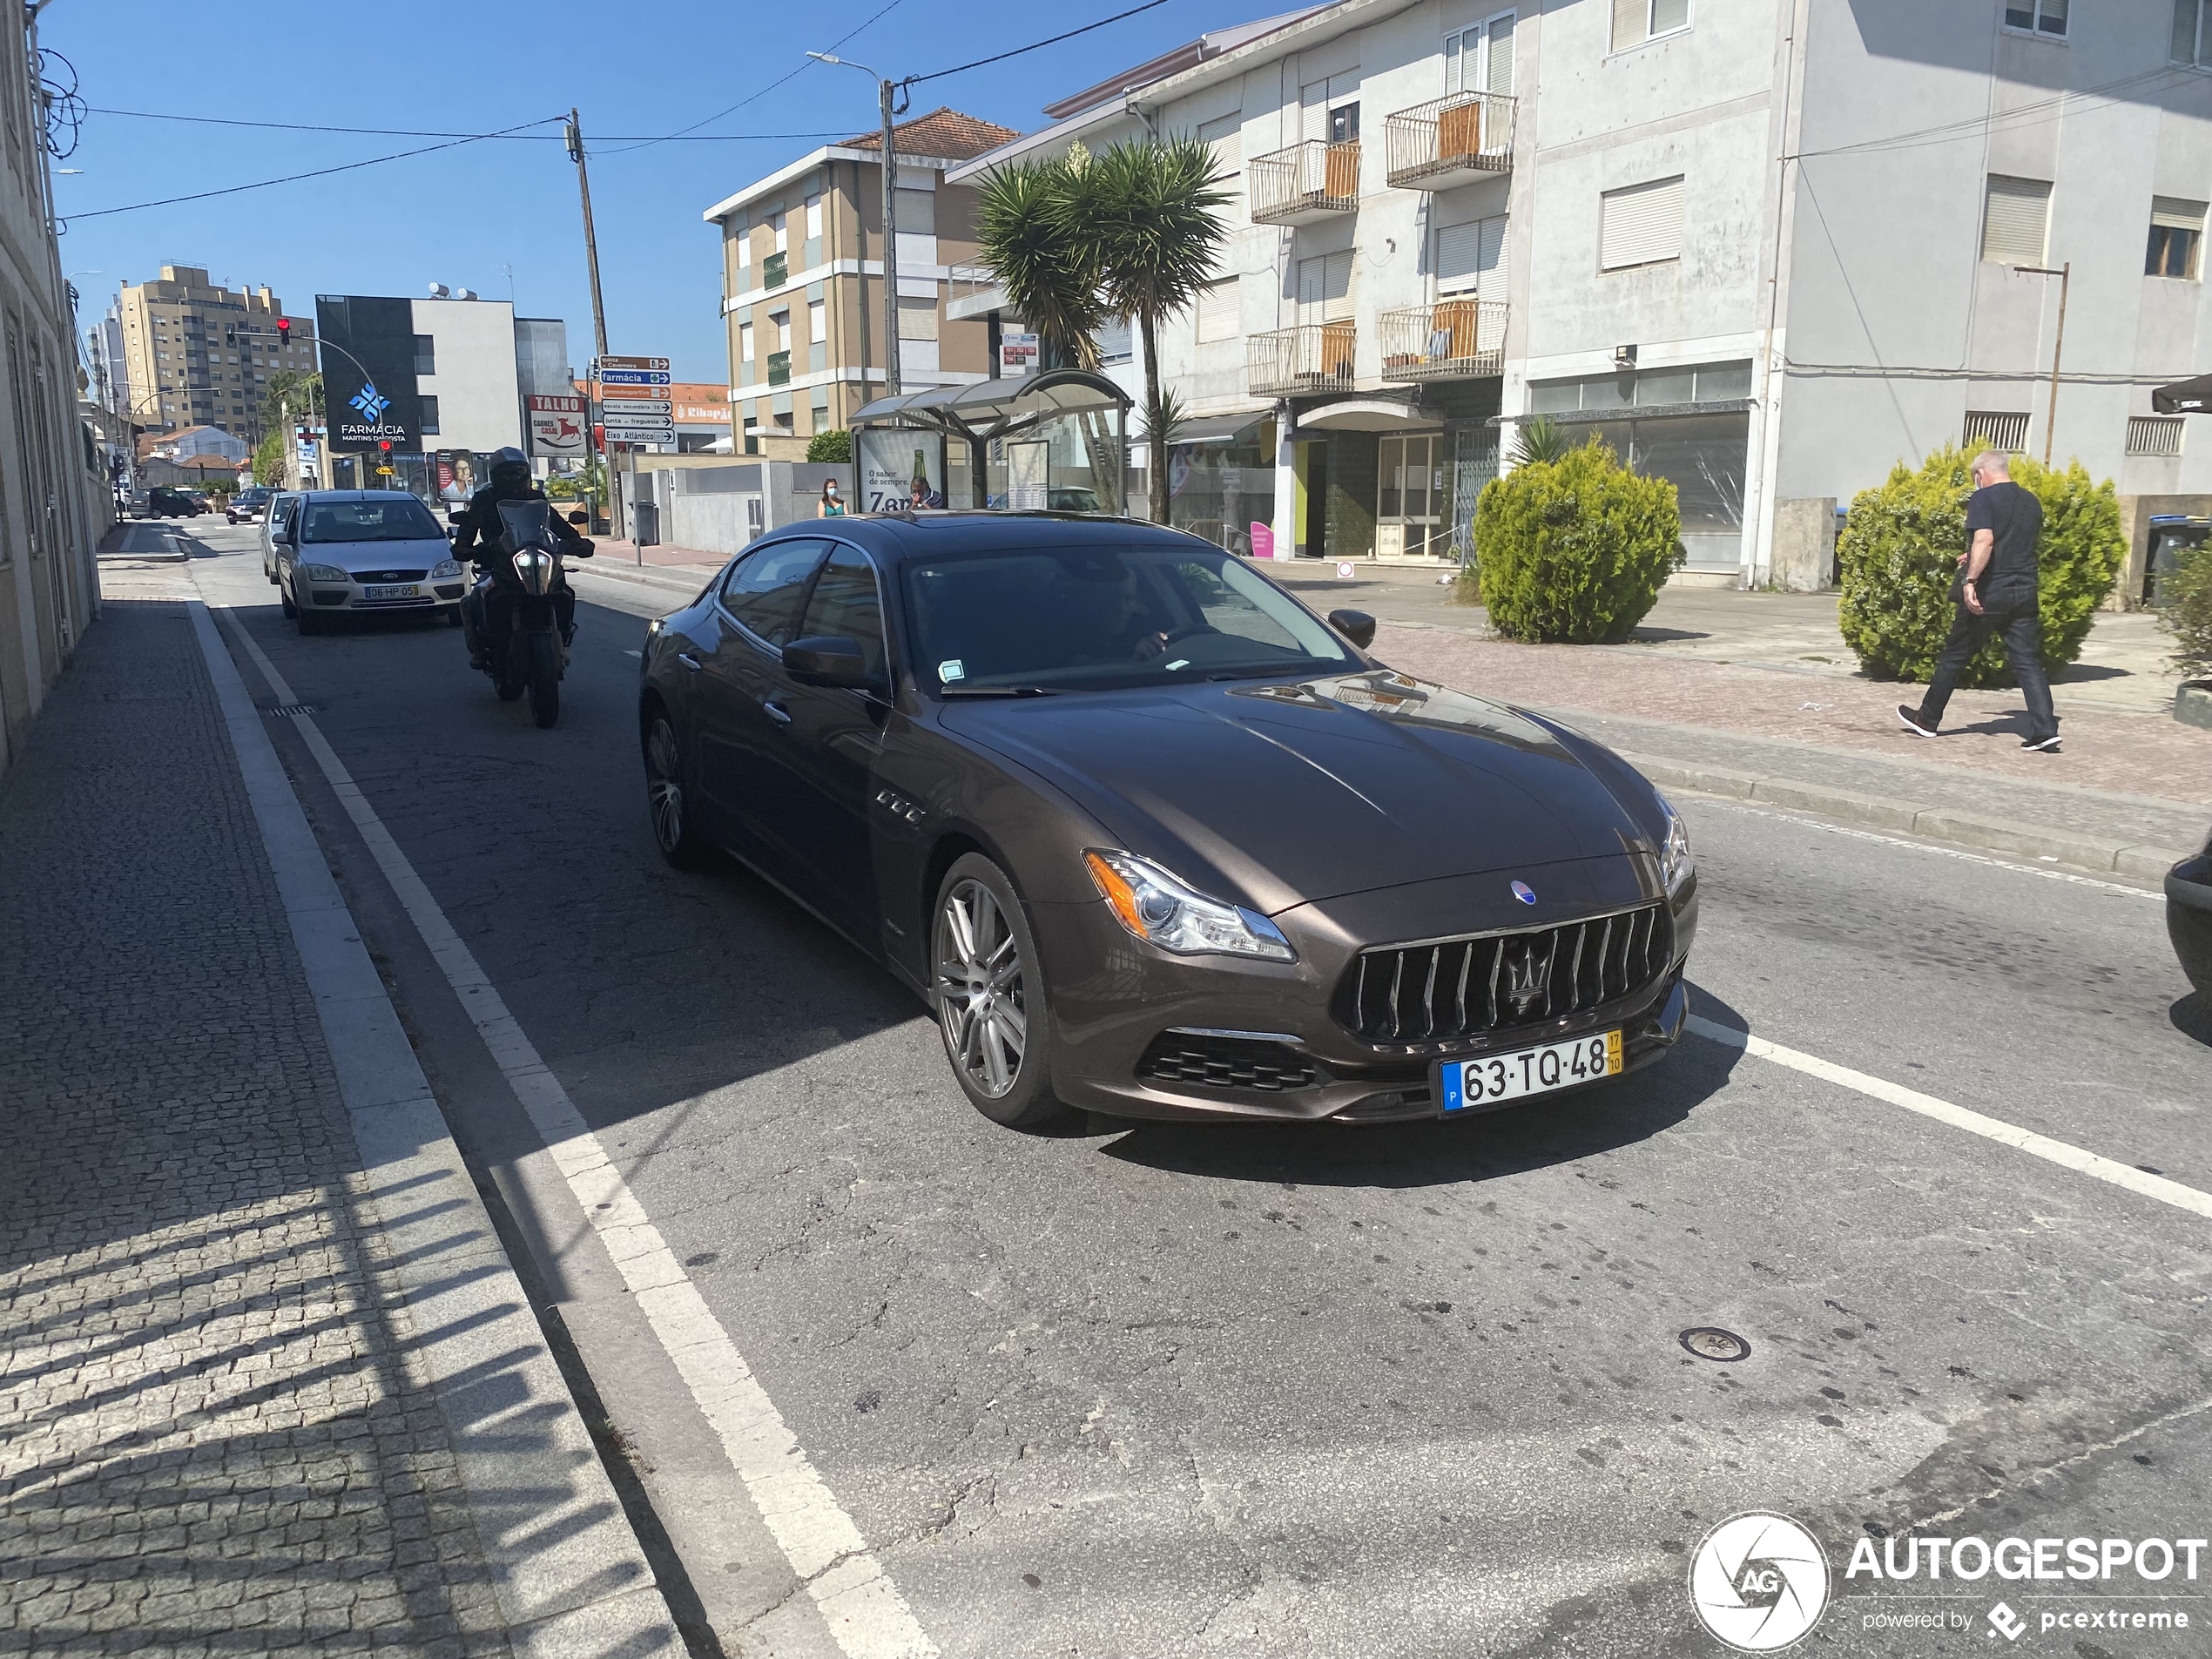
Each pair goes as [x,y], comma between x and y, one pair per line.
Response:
[1996,591]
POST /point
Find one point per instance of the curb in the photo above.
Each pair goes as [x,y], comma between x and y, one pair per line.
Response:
[1935,823]
[687,585]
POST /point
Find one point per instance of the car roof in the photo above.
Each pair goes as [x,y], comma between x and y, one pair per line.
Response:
[897,537]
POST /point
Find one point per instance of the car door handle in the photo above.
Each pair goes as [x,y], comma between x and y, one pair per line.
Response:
[690,661]
[777,713]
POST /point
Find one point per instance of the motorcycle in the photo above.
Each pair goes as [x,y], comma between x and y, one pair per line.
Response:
[526,629]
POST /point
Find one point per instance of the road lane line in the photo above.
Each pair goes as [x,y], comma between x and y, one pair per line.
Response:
[863,1608]
[2041,1146]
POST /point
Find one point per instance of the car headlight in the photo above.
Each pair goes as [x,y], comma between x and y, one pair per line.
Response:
[445,566]
[1676,866]
[324,573]
[1162,911]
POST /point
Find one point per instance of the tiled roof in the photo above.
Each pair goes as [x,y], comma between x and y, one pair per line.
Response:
[943,132]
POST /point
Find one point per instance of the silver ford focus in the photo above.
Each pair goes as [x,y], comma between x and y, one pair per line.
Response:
[351,552]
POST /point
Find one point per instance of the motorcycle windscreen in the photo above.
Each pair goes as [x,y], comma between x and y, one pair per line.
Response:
[528,523]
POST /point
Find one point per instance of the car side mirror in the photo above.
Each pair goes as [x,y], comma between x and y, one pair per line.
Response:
[1356,625]
[280,538]
[827,660]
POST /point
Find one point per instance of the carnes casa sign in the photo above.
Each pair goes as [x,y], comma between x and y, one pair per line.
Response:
[368,372]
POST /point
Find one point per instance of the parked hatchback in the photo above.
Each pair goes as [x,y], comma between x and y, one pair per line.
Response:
[359,552]
[164,501]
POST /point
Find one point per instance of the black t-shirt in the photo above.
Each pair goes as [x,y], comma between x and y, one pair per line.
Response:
[2014,518]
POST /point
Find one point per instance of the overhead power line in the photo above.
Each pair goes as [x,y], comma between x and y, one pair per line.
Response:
[414,132]
[936,75]
[320,172]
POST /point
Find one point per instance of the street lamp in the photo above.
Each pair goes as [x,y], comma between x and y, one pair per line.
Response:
[885,90]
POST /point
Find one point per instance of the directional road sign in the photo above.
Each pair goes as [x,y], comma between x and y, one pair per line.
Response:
[624,409]
[651,365]
[633,377]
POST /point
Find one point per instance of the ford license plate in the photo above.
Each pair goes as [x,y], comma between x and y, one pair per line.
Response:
[405,591]
[1497,1077]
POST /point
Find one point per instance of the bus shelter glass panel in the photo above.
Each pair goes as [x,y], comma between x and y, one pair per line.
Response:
[1078,457]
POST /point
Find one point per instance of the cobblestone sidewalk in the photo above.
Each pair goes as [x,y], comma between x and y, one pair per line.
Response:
[217,1433]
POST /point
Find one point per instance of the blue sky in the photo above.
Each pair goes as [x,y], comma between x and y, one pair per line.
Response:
[462,215]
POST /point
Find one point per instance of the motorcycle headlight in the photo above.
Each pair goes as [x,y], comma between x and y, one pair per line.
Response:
[324,573]
[445,566]
[1162,911]
[1676,866]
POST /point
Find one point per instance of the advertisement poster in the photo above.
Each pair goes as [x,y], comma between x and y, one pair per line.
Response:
[559,425]
[900,468]
[456,475]
[367,362]
[1018,355]
[1027,477]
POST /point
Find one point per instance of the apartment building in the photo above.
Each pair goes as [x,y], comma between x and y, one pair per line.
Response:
[194,353]
[54,500]
[1765,247]
[803,275]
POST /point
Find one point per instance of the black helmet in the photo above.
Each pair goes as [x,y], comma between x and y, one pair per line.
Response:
[509,467]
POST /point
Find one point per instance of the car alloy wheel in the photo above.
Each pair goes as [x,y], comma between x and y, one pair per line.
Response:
[672,831]
[989,996]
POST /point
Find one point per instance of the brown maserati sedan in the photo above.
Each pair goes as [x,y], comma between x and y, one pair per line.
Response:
[1155,841]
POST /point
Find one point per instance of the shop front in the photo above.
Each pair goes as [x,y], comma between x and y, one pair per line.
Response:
[1390,481]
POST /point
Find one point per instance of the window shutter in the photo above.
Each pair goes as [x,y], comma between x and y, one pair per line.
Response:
[1455,74]
[1219,312]
[1498,63]
[1631,23]
[1325,289]
[2176,214]
[1492,258]
[2016,220]
[1313,111]
[1473,257]
[1641,225]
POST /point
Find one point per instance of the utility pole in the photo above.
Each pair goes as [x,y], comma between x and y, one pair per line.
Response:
[2065,273]
[598,306]
[886,94]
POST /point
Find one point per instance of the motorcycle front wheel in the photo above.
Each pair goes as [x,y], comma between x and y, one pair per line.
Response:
[545,658]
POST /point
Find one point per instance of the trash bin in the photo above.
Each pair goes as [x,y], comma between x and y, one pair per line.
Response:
[644,522]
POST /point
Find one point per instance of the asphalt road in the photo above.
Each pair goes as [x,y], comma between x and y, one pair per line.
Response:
[1397,1391]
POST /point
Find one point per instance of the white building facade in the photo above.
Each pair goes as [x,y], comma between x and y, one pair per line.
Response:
[1767,248]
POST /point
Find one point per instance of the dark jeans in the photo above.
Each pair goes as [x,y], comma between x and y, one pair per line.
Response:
[2022,634]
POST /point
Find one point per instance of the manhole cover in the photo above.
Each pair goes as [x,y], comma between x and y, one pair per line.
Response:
[1710,1342]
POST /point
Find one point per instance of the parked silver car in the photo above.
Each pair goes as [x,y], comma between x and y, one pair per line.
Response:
[352,552]
[279,514]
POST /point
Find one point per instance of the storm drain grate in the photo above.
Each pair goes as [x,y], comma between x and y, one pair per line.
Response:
[292,711]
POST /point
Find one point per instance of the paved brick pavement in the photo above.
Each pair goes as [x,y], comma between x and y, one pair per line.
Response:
[215,1431]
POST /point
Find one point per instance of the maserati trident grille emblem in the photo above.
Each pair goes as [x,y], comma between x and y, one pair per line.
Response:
[1529,972]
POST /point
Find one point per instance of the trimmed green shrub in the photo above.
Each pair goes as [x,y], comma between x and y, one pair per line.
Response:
[1575,550]
[1899,550]
[2186,609]
[834,444]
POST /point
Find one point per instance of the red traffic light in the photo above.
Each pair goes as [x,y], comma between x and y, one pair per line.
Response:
[384,445]
[284,328]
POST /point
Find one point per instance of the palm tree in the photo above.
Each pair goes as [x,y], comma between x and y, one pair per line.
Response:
[1146,214]
[1050,279]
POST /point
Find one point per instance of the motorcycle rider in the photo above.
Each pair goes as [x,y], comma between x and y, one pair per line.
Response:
[479,536]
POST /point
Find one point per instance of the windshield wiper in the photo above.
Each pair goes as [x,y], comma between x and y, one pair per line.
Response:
[997,690]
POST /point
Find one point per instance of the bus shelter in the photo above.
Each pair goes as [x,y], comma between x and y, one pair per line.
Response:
[1052,441]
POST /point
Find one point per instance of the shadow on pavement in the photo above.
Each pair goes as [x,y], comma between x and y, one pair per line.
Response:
[2192,1017]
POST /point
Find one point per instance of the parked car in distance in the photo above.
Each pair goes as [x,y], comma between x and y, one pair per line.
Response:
[167,501]
[1153,840]
[247,505]
[282,502]
[359,552]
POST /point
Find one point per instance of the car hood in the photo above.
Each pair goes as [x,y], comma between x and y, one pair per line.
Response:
[355,557]
[1292,793]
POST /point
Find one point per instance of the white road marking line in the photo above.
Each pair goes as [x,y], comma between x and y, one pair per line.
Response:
[863,1608]
[2041,1146]
[1734,805]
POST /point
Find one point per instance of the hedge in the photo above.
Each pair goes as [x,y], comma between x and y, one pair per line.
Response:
[1575,550]
[1899,550]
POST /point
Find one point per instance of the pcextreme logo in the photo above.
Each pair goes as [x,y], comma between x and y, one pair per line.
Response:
[1759,1582]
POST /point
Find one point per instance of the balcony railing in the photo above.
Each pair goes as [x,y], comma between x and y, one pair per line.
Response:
[1305,182]
[1449,340]
[1315,358]
[1449,141]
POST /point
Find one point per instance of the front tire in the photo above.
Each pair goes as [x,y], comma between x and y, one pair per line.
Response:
[666,803]
[544,680]
[988,992]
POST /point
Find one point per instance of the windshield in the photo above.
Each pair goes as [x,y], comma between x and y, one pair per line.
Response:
[528,523]
[1085,618]
[396,518]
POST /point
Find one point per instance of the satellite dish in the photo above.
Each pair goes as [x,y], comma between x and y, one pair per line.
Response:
[439,291]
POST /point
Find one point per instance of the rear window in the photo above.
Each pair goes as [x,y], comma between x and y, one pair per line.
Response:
[401,518]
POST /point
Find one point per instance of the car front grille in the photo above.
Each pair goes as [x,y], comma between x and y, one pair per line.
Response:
[1226,1062]
[1445,990]
[389,576]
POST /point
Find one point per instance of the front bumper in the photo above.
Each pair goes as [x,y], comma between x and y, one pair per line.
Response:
[1117,1004]
[428,595]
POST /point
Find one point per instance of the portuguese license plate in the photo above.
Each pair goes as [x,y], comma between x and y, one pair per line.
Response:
[405,590]
[1493,1078]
